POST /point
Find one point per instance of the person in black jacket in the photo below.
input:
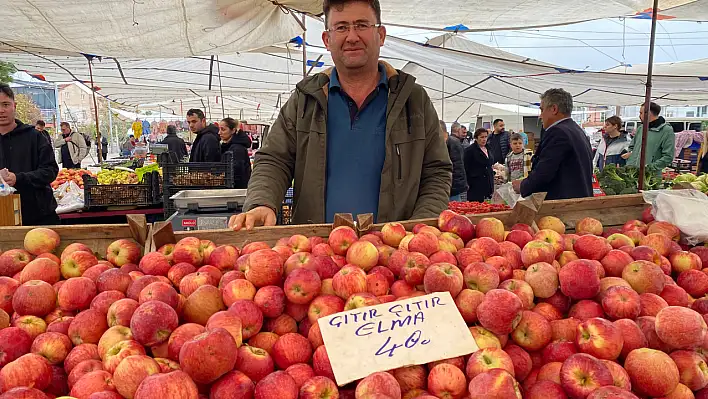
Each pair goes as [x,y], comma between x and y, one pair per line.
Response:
[237,142]
[562,166]
[41,127]
[498,142]
[27,161]
[175,144]
[206,146]
[457,156]
[478,167]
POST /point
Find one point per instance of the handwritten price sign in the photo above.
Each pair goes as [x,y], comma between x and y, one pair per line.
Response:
[383,337]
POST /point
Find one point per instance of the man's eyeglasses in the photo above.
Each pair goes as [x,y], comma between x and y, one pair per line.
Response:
[359,27]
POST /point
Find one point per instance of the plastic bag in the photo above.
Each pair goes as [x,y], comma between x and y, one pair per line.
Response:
[507,194]
[70,197]
[686,209]
[5,189]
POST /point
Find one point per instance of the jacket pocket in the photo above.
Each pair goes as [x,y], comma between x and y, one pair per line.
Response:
[409,153]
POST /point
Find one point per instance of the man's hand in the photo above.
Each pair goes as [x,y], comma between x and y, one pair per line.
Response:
[626,155]
[259,216]
[10,179]
[516,184]
[67,139]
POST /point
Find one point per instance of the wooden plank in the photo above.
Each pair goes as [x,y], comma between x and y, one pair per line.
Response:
[98,236]
[269,235]
[504,216]
[609,217]
[554,207]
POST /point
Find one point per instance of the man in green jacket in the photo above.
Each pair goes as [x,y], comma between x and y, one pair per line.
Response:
[660,141]
[359,138]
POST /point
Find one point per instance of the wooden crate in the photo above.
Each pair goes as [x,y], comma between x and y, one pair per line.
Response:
[611,211]
[10,210]
[97,236]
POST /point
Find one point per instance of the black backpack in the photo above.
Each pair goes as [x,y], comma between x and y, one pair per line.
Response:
[87,139]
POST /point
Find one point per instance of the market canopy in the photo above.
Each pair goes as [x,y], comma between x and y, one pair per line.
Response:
[183,28]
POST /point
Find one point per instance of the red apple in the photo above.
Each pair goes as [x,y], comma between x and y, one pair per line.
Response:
[52,346]
[208,356]
[599,338]
[153,322]
[441,277]
[644,277]
[588,226]
[250,315]
[35,298]
[131,372]
[302,285]
[494,384]
[680,327]
[533,331]
[579,280]
[120,351]
[41,269]
[233,385]
[13,261]
[591,247]
[621,303]
[29,370]
[652,372]
[500,311]
[581,374]
[537,251]
[341,238]
[264,267]
[76,294]
[76,263]
[203,303]
[173,385]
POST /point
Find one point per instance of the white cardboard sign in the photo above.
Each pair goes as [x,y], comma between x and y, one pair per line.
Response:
[391,335]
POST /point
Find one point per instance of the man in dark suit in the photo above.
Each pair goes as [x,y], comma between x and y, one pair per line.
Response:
[562,166]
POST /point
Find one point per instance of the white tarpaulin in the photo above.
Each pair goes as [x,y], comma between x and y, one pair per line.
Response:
[151,28]
[182,28]
[256,84]
[484,15]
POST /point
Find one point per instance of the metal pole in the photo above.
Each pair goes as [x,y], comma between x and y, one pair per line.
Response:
[56,108]
[221,90]
[647,99]
[443,85]
[304,47]
[110,124]
[95,112]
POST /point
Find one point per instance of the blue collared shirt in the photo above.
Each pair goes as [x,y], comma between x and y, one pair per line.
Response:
[356,149]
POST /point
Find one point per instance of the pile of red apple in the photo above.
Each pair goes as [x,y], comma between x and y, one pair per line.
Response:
[595,314]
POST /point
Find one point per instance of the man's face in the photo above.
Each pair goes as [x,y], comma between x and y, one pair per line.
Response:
[195,124]
[7,110]
[65,129]
[652,117]
[548,114]
[517,146]
[39,127]
[359,45]
[499,126]
[463,132]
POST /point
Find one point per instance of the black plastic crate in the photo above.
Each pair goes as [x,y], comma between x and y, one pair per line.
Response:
[192,176]
[285,215]
[104,195]
[197,175]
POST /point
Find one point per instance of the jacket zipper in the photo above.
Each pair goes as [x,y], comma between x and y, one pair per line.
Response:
[400,164]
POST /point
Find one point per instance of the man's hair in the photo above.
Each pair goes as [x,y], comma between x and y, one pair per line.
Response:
[339,4]
[479,131]
[455,127]
[497,121]
[516,137]
[7,90]
[560,98]
[171,129]
[41,123]
[65,124]
[654,108]
[614,120]
[196,112]
[230,122]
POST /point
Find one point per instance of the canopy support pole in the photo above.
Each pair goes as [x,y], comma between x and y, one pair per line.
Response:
[221,89]
[647,99]
[95,112]
[304,47]
[442,117]
[110,125]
